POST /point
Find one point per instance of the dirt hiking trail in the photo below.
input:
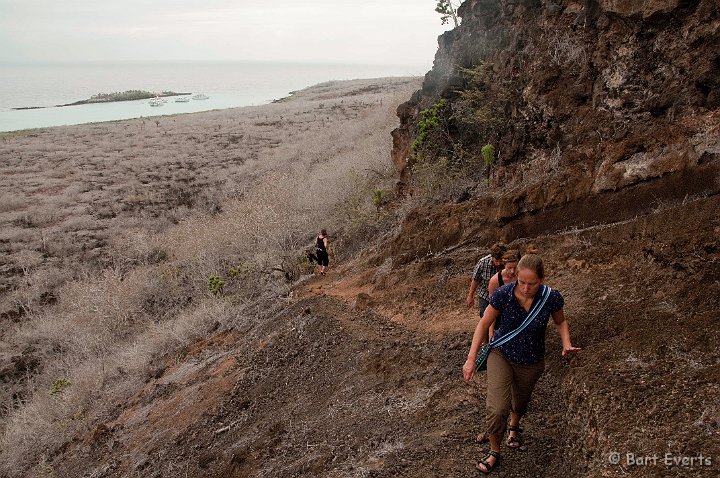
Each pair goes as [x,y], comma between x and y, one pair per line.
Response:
[358,373]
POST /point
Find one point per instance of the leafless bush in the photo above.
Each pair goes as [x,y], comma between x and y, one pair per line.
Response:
[136,248]
[35,290]
[566,51]
[110,374]
[36,217]
[79,223]
[363,213]
[16,238]
[429,177]
[436,180]
[94,309]
[10,202]
[150,296]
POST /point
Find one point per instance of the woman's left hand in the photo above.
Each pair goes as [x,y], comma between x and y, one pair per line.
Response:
[570,350]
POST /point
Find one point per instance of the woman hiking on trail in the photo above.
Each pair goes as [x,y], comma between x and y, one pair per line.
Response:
[321,250]
[507,275]
[514,367]
[509,272]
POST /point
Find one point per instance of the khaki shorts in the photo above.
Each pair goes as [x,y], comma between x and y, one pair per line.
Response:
[509,389]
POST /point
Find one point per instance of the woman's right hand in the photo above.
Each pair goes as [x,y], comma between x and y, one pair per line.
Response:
[469,369]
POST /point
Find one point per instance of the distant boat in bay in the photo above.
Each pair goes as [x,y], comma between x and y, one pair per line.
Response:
[157,101]
[200,96]
[182,99]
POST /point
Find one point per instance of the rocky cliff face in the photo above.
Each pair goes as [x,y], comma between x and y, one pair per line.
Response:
[601,95]
[610,108]
[607,127]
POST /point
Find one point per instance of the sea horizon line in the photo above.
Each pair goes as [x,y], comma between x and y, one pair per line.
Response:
[207,61]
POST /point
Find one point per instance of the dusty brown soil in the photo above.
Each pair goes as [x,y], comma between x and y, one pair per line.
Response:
[360,374]
[611,170]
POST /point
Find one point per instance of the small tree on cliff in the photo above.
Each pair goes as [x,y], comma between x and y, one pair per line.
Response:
[448,9]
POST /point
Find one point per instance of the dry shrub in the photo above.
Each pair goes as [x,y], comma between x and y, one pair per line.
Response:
[107,299]
[96,312]
[365,214]
[12,202]
[254,234]
[79,223]
[110,375]
[438,181]
[36,217]
[110,324]
[35,290]
[34,285]
[17,239]
[27,260]
[135,248]
[429,177]
[566,50]
[284,211]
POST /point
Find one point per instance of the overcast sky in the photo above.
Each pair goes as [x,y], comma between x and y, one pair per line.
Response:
[402,32]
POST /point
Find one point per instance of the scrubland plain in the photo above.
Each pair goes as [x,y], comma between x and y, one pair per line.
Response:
[110,232]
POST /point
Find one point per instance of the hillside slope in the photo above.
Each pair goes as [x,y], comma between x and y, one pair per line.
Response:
[360,374]
[608,136]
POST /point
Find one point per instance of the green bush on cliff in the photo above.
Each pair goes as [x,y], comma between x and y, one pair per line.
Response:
[488,153]
[453,132]
[481,110]
[429,122]
[455,137]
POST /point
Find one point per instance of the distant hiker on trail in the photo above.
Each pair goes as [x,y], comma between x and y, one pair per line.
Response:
[321,251]
[486,267]
[515,364]
[506,276]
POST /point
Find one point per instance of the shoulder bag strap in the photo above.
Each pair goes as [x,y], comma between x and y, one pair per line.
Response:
[531,316]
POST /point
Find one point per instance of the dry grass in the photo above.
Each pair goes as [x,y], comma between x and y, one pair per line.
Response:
[102,372]
[114,229]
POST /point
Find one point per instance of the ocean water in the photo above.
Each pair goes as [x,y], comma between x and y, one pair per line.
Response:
[227,84]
